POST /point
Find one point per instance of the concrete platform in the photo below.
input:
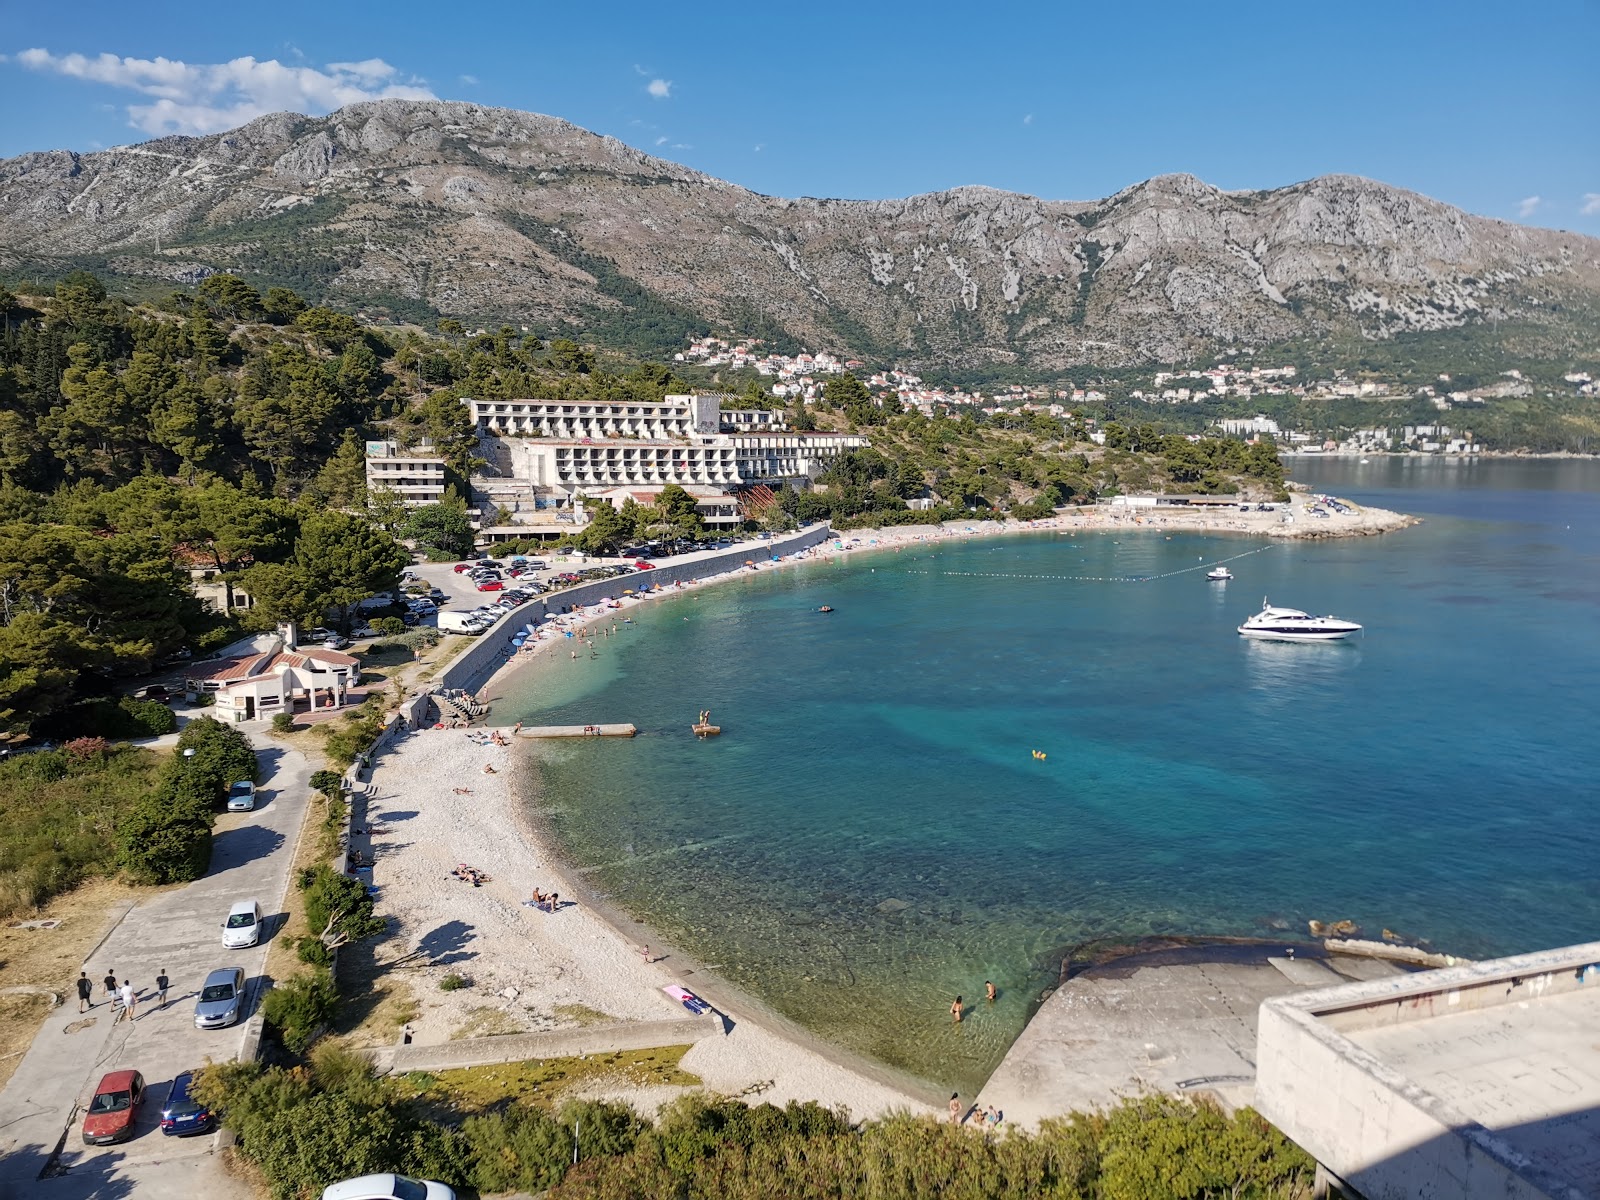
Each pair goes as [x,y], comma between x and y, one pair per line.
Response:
[557,1043]
[576,731]
[1477,1081]
[1180,1019]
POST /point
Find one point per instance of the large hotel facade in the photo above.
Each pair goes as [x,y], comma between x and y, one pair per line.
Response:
[544,457]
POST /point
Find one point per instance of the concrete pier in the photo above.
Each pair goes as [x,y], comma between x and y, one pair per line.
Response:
[1180,1019]
[576,731]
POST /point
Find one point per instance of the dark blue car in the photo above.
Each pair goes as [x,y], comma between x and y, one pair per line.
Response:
[182,1115]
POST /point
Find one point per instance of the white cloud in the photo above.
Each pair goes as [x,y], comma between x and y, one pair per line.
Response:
[1529,205]
[1591,204]
[201,98]
[662,140]
[659,88]
[760,146]
[1028,120]
[682,146]
[469,80]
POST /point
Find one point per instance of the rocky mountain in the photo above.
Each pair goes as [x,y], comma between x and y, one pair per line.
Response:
[495,214]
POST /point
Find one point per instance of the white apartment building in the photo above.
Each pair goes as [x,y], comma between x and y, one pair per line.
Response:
[553,452]
[416,476]
[673,418]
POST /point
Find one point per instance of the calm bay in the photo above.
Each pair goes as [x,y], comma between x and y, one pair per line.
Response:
[873,835]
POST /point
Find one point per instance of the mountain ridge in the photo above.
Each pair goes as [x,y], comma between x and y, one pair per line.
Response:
[491,213]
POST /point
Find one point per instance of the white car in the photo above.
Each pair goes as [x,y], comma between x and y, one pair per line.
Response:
[387,1186]
[241,796]
[364,631]
[243,926]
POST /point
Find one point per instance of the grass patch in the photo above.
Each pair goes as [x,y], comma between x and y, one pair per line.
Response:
[486,1021]
[582,1015]
[384,654]
[59,815]
[442,654]
[543,1083]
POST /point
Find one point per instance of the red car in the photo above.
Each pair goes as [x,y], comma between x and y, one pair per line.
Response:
[644,565]
[460,567]
[492,585]
[114,1108]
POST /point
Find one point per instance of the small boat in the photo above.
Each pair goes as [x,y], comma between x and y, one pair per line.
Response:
[826,608]
[1366,460]
[689,1000]
[1220,574]
[1292,625]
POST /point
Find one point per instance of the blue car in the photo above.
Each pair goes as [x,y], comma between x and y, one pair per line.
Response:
[183,1115]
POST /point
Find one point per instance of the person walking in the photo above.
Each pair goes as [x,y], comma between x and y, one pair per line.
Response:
[645,951]
[85,992]
[111,985]
[128,1000]
[161,989]
[955,1108]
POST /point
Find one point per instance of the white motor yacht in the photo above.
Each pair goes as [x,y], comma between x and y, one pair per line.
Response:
[1220,574]
[1292,625]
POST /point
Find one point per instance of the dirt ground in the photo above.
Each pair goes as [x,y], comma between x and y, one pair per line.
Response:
[52,958]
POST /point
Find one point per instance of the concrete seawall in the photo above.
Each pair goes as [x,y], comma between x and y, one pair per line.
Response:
[493,647]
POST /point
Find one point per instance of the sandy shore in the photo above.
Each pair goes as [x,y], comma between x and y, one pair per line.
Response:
[532,970]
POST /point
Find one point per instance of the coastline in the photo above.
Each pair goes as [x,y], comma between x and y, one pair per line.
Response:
[599,967]
[534,971]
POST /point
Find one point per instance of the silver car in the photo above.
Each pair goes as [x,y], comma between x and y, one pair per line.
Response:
[221,999]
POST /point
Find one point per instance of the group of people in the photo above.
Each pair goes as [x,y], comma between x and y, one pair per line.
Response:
[989,1117]
[124,1000]
[470,875]
[490,737]
[958,1006]
[543,901]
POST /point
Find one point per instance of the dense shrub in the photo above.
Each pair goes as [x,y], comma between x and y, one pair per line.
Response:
[354,735]
[338,907]
[59,817]
[329,783]
[283,722]
[104,717]
[167,837]
[299,1009]
[337,1119]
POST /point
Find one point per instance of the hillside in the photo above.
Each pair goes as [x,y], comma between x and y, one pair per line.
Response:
[426,208]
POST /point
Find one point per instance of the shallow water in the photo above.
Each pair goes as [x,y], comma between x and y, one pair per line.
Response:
[872,835]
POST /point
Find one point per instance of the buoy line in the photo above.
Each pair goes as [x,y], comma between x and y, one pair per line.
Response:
[1204,566]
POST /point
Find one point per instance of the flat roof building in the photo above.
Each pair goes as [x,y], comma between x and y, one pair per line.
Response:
[1480,1080]
[416,476]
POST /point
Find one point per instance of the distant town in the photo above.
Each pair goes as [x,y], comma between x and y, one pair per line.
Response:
[801,378]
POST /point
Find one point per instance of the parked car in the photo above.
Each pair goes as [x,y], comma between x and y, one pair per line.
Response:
[243,926]
[183,1115]
[221,999]
[460,567]
[438,595]
[155,691]
[241,796]
[644,565]
[114,1108]
[364,631]
[387,1187]
[492,585]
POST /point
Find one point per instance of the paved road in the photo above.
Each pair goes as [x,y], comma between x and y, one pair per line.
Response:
[179,932]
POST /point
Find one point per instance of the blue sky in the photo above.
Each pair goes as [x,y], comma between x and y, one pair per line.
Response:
[1491,106]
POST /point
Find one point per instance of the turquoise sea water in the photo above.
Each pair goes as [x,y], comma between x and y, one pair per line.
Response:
[871,835]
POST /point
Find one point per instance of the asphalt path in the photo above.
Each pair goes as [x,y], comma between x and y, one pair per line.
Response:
[179,932]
